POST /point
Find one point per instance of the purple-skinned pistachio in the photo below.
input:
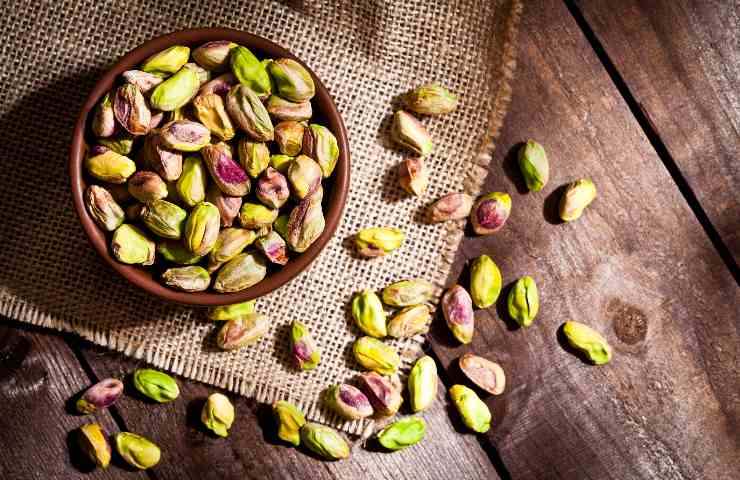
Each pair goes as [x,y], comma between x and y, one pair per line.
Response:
[272,188]
[185,135]
[104,210]
[147,186]
[144,81]
[408,132]
[348,401]
[321,145]
[211,112]
[273,247]
[156,120]
[249,114]
[453,206]
[457,307]
[489,213]
[227,206]
[413,176]
[228,175]
[214,55]
[384,393]
[282,109]
[306,222]
[131,110]
[104,120]
[101,395]
[289,137]
[304,175]
[303,347]
[220,85]
[167,163]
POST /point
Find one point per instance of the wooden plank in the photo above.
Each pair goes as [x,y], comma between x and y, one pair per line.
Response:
[637,266]
[681,61]
[251,450]
[39,379]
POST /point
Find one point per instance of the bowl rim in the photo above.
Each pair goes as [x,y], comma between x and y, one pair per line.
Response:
[337,196]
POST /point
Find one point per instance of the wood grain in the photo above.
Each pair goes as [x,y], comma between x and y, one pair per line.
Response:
[637,266]
[681,61]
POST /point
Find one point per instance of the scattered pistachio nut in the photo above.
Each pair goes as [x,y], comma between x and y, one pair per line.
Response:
[175,252]
[348,402]
[384,393]
[144,81]
[169,60]
[369,314]
[410,321]
[402,433]
[242,331]
[102,208]
[304,176]
[191,186]
[486,374]
[321,145]
[242,271]
[147,186]
[93,443]
[303,349]
[289,137]
[453,206]
[156,385]
[378,241]
[457,307]
[375,355]
[214,55]
[524,301]
[228,207]
[131,245]
[534,165]
[131,110]
[103,123]
[109,166]
[138,451]
[283,110]
[187,279]
[225,172]
[290,421]
[273,247]
[250,71]
[490,212]
[201,228]
[413,176]
[176,91]
[185,135]
[228,312]
[164,219]
[474,412]
[306,223]
[578,195]
[422,384]
[247,111]
[431,99]
[101,395]
[292,80]
[408,132]
[272,188]
[211,111]
[591,343]
[218,414]
[485,281]
[324,441]
[409,292]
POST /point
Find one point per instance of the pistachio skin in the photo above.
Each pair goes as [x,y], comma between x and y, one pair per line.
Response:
[304,176]
[164,219]
[290,420]
[228,207]
[131,245]
[225,172]
[321,145]
[147,186]
[144,81]
[211,111]
[254,215]
[534,165]
[457,307]
[272,188]
[191,186]
[175,252]
[101,395]
[383,393]
[490,212]
[230,243]
[403,433]
[348,402]
[253,156]
[249,114]
[167,163]
[131,110]
[242,331]
[410,321]
[578,195]
[185,135]
[220,85]
[422,384]
[273,247]
[475,414]
[588,341]
[214,55]
[104,120]
[289,137]
[413,176]
[282,110]
[523,302]
[453,206]
[306,223]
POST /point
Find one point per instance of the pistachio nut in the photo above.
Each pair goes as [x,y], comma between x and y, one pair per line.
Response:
[282,109]
[138,451]
[375,355]
[218,414]
[101,395]
[254,215]
[423,384]
[289,137]
[130,245]
[250,72]
[304,176]
[247,111]
[290,420]
[378,241]
[253,156]
[157,119]
[147,186]
[490,212]
[204,76]
[281,225]
[578,195]
[408,132]
[324,441]
[164,219]
[104,120]
[228,175]
[474,412]
[306,355]
[321,145]
[403,433]
[408,292]
[384,393]
[176,91]
[144,81]
[273,247]
[410,321]
[109,166]
[487,375]
[292,80]
[131,110]
[413,176]
[485,281]
[201,228]
[156,385]
[228,312]
[230,243]
[175,252]
[242,271]
[102,208]
[211,112]
[122,143]
[191,186]
[272,188]
[220,85]
[306,223]
[167,163]
[119,192]
[214,55]
[534,165]
[453,206]
[93,443]
[242,331]
[188,279]
[169,60]
[228,207]
[281,162]
[348,402]
[457,307]
[185,135]
[431,99]
[368,314]
[524,301]
[588,341]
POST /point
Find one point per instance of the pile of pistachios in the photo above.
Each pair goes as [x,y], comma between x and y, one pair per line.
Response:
[179,154]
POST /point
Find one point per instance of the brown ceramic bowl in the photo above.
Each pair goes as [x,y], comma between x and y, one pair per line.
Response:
[335,188]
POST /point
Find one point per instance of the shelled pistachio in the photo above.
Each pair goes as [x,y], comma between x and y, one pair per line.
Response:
[218,414]
[290,421]
[306,355]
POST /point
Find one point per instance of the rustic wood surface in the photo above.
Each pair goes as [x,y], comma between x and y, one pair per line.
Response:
[641,266]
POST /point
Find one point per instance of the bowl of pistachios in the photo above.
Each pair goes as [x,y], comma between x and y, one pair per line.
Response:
[209,166]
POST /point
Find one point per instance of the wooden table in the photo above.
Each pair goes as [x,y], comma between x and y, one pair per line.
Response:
[642,97]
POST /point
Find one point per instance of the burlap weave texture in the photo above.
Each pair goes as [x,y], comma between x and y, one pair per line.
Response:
[367,53]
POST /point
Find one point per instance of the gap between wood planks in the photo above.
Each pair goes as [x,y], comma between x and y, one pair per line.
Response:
[643,119]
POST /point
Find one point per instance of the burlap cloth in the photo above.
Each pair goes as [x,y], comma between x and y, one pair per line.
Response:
[366,52]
